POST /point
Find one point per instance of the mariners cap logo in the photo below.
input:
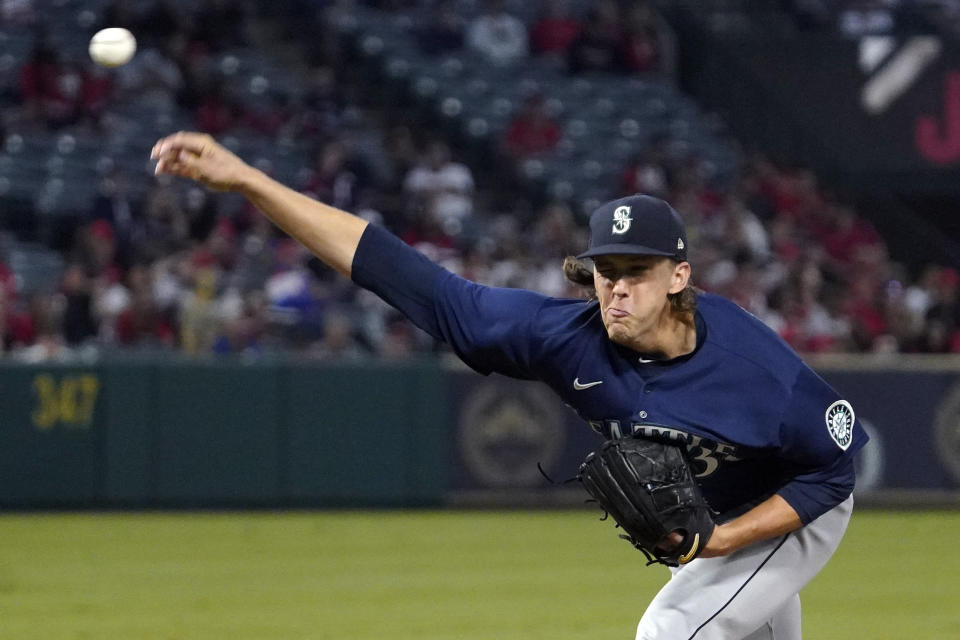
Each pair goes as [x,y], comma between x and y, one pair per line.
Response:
[621,219]
[840,423]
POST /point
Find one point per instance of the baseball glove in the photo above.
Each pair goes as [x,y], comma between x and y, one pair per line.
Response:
[648,488]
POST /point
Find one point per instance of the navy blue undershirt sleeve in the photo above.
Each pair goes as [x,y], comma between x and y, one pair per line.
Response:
[489,328]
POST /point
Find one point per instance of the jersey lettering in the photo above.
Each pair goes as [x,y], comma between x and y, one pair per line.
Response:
[706,455]
[614,426]
[710,461]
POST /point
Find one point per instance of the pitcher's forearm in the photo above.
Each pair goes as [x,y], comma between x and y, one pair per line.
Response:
[771,518]
[329,233]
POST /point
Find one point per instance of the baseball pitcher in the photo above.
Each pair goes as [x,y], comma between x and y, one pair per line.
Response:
[727,458]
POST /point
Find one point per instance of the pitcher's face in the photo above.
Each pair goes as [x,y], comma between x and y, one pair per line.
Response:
[632,291]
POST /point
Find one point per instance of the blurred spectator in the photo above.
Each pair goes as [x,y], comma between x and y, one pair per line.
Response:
[443,186]
[555,30]
[47,341]
[498,36]
[114,205]
[221,245]
[785,239]
[198,314]
[743,230]
[292,297]
[141,323]
[595,49]
[18,329]
[645,173]
[402,156]
[849,236]
[215,112]
[96,248]
[173,275]
[532,131]
[110,298]
[200,211]
[243,330]
[795,193]
[431,233]
[808,326]
[165,224]
[640,49]
[862,306]
[444,33]
[919,297]
[943,315]
[51,92]
[322,105]
[267,115]
[8,285]
[745,287]
[78,321]
[554,236]
[334,180]
[152,78]
[96,92]
[398,341]
[5,338]
[338,341]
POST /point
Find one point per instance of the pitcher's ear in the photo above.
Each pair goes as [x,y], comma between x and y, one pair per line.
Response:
[681,277]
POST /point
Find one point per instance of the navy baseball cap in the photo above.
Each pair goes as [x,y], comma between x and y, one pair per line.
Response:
[639,225]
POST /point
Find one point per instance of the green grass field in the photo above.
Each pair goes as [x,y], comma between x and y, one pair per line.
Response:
[420,575]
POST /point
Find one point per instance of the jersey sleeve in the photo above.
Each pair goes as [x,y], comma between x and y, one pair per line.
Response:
[489,328]
[819,436]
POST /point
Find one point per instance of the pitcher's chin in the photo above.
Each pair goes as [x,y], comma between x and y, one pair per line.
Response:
[618,333]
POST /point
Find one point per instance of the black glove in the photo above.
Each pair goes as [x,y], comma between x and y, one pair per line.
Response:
[648,488]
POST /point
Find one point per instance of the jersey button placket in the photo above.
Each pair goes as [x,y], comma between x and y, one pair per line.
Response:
[647,389]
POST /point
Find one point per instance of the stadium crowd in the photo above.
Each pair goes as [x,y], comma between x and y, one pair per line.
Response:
[181,269]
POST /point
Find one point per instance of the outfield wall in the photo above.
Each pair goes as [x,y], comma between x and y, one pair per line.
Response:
[185,433]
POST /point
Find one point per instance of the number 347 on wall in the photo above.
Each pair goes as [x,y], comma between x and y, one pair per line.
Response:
[69,400]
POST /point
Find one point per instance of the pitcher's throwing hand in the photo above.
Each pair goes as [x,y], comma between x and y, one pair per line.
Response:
[199,157]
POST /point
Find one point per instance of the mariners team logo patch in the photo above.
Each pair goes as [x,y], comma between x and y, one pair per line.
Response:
[840,423]
[621,219]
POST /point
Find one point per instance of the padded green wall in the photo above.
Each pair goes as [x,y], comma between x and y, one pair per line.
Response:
[222,433]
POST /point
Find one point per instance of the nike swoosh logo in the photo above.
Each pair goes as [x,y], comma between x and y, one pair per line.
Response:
[586,385]
[684,559]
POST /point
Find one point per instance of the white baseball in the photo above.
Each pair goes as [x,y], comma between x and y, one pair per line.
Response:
[112,47]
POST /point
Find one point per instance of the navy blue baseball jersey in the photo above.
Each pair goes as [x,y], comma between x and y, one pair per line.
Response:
[755,420]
